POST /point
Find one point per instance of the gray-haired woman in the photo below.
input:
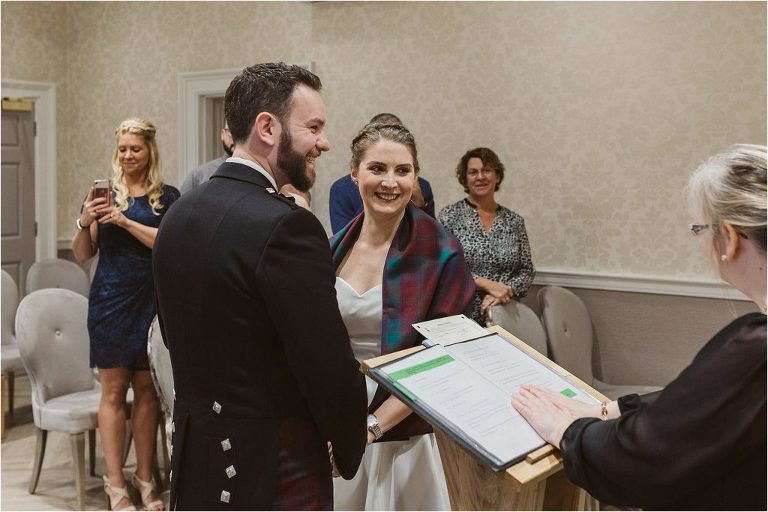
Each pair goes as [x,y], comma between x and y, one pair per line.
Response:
[699,443]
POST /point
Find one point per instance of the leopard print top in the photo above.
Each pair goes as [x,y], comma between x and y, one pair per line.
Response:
[501,254]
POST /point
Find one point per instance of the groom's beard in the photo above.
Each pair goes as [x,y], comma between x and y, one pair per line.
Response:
[294,164]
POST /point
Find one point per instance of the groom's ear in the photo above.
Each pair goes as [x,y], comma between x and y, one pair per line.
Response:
[266,129]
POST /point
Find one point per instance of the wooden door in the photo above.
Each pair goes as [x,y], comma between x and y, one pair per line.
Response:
[19,228]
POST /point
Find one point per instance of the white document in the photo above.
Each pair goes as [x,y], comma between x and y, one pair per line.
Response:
[469,387]
[508,367]
[450,329]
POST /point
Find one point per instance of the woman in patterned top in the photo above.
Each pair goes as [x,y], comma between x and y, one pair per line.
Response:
[494,238]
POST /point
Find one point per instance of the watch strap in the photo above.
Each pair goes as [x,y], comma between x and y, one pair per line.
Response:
[374,428]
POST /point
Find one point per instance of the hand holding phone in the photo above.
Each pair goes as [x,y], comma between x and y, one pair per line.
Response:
[103,189]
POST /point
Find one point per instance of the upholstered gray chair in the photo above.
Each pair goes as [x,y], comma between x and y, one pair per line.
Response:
[571,339]
[58,273]
[162,376]
[11,360]
[520,320]
[54,345]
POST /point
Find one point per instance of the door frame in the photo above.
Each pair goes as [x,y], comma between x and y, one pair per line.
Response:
[193,88]
[44,96]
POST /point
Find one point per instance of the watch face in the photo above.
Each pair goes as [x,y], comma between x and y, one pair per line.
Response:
[372,420]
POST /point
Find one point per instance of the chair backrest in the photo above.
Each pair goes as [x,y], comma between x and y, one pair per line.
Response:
[10,303]
[160,367]
[52,333]
[520,320]
[58,273]
[569,330]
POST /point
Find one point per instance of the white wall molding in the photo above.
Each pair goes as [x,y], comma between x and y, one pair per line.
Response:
[193,88]
[44,96]
[637,284]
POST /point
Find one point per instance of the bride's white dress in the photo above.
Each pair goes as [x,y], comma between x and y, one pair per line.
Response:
[393,475]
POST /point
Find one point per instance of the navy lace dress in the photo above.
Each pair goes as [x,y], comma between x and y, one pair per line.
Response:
[121,305]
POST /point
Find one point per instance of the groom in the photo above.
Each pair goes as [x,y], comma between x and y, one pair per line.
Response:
[263,370]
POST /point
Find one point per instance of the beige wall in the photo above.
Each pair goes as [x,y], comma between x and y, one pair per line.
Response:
[600,111]
[120,59]
[33,43]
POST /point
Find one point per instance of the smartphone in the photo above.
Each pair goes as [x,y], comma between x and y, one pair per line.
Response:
[103,188]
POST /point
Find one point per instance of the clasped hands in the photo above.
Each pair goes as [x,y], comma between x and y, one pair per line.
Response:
[498,293]
[334,470]
[99,210]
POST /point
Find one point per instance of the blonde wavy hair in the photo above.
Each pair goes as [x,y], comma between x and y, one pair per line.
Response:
[154,180]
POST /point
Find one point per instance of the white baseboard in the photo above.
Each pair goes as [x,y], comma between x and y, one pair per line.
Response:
[628,284]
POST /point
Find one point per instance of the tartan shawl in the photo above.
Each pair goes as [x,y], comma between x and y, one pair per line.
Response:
[425,277]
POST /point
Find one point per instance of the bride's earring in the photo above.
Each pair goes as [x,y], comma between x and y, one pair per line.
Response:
[724,258]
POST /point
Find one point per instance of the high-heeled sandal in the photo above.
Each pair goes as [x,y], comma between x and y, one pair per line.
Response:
[145,490]
[116,495]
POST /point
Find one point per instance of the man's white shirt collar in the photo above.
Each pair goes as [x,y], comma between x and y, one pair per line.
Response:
[255,166]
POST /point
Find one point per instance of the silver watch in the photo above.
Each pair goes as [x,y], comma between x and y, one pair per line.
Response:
[373,427]
[79,226]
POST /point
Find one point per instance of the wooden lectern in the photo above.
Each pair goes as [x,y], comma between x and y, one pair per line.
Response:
[537,483]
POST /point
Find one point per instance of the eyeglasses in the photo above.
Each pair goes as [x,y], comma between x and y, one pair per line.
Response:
[698,228]
[484,171]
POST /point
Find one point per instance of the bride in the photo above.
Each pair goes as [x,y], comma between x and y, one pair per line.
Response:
[395,266]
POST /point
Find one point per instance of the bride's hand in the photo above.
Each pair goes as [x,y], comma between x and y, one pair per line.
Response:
[334,470]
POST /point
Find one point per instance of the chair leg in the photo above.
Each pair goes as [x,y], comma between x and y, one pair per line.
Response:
[128,440]
[42,438]
[92,452]
[77,442]
[10,392]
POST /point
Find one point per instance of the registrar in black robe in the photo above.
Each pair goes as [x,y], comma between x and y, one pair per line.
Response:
[700,443]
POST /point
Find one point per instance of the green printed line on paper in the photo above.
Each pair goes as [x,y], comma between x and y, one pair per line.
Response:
[568,392]
[423,367]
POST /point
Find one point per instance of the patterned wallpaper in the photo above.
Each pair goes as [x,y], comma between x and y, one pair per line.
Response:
[599,111]
[33,42]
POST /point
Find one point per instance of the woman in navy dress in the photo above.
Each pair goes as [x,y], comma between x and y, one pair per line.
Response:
[122,303]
